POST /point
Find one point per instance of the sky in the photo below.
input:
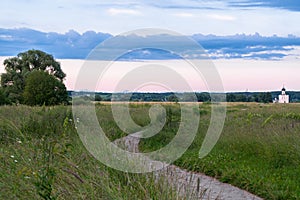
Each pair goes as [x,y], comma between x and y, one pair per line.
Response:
[254,76]
[261,54]
[220,17]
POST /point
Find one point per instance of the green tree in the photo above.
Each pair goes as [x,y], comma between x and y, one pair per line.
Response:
[230,97]
[203,97]
[172,98]
[3,99]
[19,67]
[267,97]
[43,88]
[98,97]
[263,97]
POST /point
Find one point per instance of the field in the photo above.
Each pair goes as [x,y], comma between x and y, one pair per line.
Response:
[259,149]
[41,155]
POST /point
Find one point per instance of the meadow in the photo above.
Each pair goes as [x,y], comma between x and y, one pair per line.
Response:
[41,155]
[259,149]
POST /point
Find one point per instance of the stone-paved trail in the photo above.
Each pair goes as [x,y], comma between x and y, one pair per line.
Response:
[191,185]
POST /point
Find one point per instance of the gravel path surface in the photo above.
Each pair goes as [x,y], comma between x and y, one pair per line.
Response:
[191,185]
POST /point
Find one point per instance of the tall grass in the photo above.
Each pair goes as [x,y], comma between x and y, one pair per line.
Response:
[42,157]
[259,149]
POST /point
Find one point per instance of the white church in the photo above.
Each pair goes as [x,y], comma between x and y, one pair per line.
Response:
[283,98]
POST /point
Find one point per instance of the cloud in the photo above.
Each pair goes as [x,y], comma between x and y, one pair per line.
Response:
[73,45]
[188,4]
[292,5]
[191,15]
[118,11]
[68,45]
[184,14]
[222,17]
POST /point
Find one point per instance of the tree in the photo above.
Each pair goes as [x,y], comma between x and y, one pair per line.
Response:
[172,98]
[230,97]
[203,97]
[19,67]
[43,88]
[267,97]
[98,97]
[3,99]
[263,97]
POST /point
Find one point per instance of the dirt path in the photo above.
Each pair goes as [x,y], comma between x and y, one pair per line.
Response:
[191,185]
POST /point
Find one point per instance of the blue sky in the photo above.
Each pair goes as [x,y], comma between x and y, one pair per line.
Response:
[220,17]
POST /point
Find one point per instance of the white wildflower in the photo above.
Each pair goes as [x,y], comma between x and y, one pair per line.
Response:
[19,141]
[15,161]
[77,119]
[12,156]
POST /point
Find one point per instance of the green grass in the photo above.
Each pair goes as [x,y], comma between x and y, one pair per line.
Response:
[259,149]
[42,157]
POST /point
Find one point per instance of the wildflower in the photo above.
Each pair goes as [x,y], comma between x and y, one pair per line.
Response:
[19,141]
[12,156]
[15,161]
[77,119]
[26,177]
[70,120]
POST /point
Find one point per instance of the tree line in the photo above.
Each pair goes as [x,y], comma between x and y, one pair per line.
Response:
[259,97]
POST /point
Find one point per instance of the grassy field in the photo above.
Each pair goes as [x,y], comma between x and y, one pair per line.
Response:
[259,149]
[41,155]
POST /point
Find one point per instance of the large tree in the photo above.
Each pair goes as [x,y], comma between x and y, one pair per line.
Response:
[3,99]
[19,67]
[42,88]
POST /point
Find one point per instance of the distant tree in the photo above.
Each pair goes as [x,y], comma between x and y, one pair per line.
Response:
[263,97]
[98,97]
[231,97]
[203,97]
[241,98]
[172,98]
[43,88]
[19,67]
[267,97]
[256,97]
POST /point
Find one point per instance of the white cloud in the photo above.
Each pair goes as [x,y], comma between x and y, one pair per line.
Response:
[184,15]
[117,11]
[222,17]
[187,16]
